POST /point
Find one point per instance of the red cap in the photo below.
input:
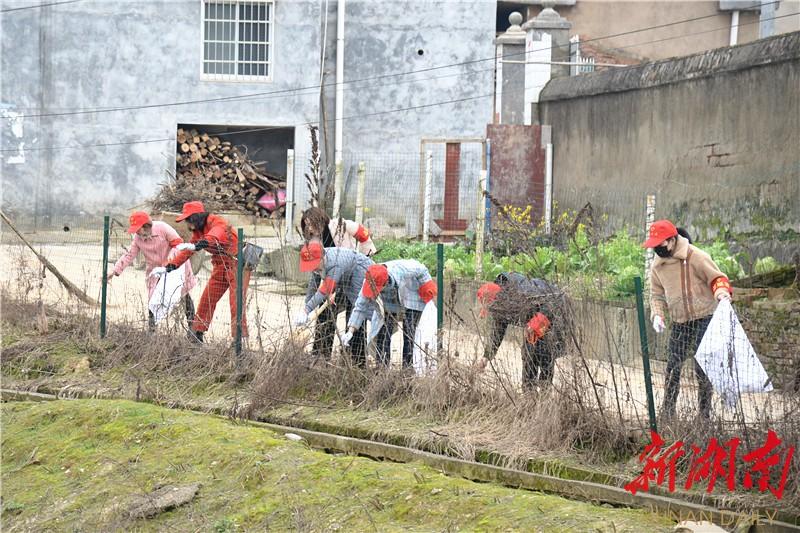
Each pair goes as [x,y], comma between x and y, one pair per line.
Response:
[189,209]
[660,231]
[377,274]
[137,220]
[311,256]
[487,294]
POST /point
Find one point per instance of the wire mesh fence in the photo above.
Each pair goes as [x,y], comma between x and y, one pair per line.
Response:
[578,383]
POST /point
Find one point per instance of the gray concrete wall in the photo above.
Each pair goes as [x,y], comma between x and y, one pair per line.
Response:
[713,135]
[383,38]
[105,54]
[97,54]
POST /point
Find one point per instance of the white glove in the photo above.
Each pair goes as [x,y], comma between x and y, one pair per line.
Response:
[158,272]
[658,324]
[724,296]
[185,246]
[346,338]
[300,318]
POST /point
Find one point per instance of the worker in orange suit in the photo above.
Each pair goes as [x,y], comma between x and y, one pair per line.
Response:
[213,234]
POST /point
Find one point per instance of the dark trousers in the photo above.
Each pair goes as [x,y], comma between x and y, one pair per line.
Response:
[683,342]
[537,359]
[188,305]
[383,341]
[325,331]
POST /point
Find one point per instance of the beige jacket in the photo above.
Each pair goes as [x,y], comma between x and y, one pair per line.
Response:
[349,234]
[687,284]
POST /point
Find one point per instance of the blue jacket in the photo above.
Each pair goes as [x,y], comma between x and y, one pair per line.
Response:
[401,292]
[346,268]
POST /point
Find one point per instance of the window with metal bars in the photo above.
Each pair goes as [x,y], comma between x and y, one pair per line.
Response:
[237,40]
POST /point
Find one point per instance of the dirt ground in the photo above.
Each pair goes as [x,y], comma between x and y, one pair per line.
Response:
[272,303]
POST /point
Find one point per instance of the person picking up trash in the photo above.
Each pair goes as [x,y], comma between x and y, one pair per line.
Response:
[157,242]
[213,234]
[316,225]
[405,287]
[537,305]
[686,283]
[341,271]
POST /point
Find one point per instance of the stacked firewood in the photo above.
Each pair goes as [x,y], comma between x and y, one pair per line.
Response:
[222,177]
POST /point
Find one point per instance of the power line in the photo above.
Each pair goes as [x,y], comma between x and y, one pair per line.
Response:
[370,78]
[37,6]
[265,128]
[378,113]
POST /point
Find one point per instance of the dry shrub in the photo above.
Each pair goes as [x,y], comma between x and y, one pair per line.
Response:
[474,413]
[165,363]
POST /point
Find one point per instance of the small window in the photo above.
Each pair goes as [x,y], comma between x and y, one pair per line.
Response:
[237,40]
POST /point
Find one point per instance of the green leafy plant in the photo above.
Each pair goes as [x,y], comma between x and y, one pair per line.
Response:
[766,265]
[727,261]
[606,269]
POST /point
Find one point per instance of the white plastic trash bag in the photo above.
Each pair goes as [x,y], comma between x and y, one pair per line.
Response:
[728,358]
[426,342]
[167,294]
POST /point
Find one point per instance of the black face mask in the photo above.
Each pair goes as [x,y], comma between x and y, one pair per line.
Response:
[662,251]
[198,221]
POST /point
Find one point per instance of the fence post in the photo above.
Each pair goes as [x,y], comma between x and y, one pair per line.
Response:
[649,255]
[488,187]
[548,187]
[648,385]
[338,187]
[362,179]
[426,214]
[289,238]
[440,285]
[104,279]
[239,290]
[480,227]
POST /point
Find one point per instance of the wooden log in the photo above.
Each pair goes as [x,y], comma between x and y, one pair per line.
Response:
[184,148]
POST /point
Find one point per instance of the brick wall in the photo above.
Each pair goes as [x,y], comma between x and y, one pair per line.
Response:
[773,327]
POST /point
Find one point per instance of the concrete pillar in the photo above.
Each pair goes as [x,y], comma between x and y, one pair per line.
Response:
[546,40]
[509,97]
[766,21]
[548,21]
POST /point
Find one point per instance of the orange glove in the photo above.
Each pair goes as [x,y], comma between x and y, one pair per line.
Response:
[428,291]
[536,328]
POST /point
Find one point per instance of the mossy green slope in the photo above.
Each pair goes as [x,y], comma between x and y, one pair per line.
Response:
[76,465]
